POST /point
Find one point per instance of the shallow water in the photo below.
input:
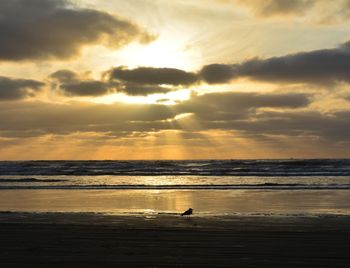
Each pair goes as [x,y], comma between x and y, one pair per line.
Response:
[204,202]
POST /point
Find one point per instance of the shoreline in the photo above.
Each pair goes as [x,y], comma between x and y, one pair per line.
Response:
[324,222]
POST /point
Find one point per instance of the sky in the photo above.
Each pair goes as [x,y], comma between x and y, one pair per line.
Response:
[174,79]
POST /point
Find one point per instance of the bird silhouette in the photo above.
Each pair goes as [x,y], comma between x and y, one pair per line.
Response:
[187,212]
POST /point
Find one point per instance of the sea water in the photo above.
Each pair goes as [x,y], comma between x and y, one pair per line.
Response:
[210,187]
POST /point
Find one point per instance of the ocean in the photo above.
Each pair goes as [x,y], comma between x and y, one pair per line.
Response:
[211,187]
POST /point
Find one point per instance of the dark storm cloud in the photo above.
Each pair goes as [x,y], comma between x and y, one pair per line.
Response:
[56,29]
[234,100]
[319,67]
[48,118]
[85,88]
[273,7]
[268,8]
[315,11]
[331,126]
[237,105]
[64,76]
[153,76]
[13,89]
[217,73]
[73,84]
[141,81]
[135,89]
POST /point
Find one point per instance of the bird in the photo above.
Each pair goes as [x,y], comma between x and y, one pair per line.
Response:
[187,212]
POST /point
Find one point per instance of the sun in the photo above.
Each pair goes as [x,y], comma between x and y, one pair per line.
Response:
[163,52]
[160,55]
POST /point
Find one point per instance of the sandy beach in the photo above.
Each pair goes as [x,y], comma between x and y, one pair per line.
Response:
[97,240]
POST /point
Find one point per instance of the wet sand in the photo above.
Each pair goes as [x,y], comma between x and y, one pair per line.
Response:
[96,240]
[301,202]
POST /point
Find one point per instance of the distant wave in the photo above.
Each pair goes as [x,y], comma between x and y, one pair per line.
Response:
[266,186]
[259,168]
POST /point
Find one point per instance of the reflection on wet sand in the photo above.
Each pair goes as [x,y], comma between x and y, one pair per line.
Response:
[175,201]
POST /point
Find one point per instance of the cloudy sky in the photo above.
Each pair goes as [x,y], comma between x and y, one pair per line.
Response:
[174,79]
